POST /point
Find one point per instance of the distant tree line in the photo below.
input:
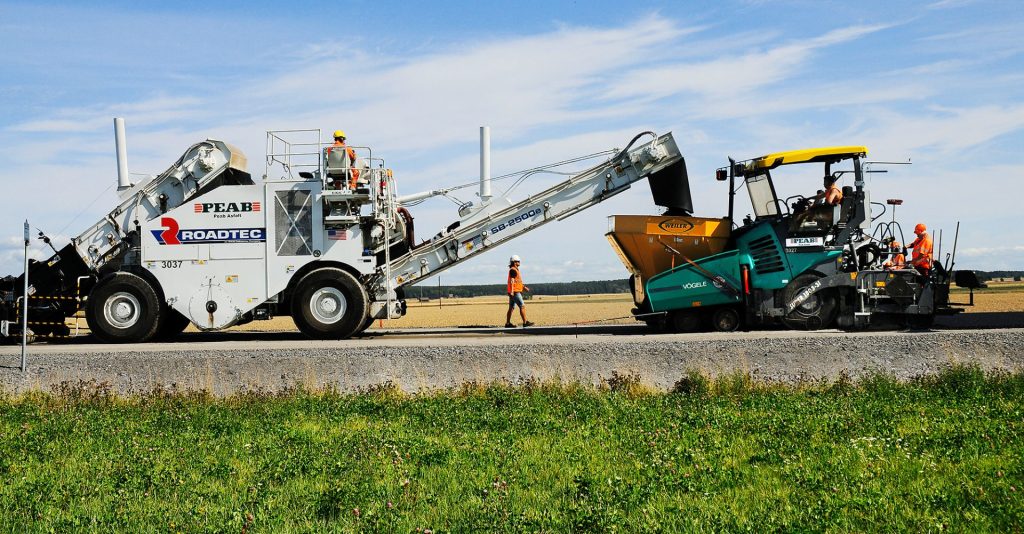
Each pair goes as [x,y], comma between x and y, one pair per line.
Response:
[581,288]
[557,288]
[988,275]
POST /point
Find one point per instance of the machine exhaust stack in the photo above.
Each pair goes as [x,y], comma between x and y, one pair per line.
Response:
[485,164]
[123,180]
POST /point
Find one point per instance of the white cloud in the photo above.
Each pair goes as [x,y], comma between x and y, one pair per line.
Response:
[949,4]
[721,77]
[949,130]
[988,251]
[548,96]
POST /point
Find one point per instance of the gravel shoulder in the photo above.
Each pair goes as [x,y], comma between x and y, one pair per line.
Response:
[431,359]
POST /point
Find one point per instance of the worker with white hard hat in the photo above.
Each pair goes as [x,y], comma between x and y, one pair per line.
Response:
[515,293]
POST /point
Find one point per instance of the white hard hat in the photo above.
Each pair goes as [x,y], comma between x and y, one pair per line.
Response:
[514,258]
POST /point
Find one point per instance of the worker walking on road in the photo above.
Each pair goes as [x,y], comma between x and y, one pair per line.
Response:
[921,259]
[348,158]
[515,293]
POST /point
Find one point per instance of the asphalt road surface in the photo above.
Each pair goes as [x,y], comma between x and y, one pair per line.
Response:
[429,359]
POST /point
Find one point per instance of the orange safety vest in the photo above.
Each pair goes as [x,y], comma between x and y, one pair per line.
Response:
[354,172]
[515,280]
[922,256]
[834,195]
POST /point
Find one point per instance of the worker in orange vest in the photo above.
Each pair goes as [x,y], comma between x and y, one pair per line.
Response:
[896,259]
[833,195]
[339,143]
[921,259]
[515,293]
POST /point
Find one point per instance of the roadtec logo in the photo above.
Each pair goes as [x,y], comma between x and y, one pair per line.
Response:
[676,226]
[172,234]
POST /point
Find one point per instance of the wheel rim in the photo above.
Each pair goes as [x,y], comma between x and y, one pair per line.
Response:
[810,306]
[726,321]
[328,305]
[122,310]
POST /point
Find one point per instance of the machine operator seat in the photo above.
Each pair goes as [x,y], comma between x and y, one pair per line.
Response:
[338,166]
[846,205]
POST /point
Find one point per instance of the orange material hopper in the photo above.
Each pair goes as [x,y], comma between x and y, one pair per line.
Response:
[648,245]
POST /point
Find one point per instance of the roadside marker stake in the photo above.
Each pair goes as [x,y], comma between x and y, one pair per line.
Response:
[24,306]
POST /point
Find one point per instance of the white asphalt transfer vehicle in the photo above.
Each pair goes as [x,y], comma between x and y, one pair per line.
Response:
[323,239]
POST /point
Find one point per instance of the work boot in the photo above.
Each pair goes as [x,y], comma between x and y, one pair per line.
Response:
[509,325]
[527,323]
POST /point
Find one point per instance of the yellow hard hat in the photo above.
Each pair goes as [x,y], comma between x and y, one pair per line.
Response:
[339,133]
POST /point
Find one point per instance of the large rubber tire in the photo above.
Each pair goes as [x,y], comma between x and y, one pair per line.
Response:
[725,319]
[818,311]
[174,323]
[329,303]
[124,308]
[365,324]
[685,321]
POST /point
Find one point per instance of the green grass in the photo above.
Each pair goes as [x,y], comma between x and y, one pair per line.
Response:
[940,453]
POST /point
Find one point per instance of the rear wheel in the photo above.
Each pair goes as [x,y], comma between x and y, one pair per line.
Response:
[329,303]
[725,320]
[123,308]
[819,310]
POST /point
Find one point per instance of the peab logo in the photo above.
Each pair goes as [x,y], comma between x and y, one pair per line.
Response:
[805,241]
[226,207]
[172,234]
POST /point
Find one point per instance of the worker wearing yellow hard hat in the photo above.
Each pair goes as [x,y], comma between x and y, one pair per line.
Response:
[339,142]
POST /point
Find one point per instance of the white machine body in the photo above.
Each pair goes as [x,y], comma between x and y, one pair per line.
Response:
[223,249]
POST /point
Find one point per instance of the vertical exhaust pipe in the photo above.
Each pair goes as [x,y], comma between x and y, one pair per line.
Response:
[485,164]
[123,180]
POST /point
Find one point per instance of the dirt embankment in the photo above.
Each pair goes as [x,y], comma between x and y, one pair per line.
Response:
[430,360]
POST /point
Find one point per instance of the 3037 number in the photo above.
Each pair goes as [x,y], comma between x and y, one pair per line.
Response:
[172,264]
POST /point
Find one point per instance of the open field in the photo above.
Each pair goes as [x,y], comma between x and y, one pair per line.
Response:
[490,311]
[589,309]
[934,454]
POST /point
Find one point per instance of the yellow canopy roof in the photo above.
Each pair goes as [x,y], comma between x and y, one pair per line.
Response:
[833,153]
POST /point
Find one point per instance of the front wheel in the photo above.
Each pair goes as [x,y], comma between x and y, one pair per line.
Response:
[685,321]
[123,308]
[329,303]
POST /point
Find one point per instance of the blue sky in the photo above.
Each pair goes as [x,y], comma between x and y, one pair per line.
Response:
[939,83]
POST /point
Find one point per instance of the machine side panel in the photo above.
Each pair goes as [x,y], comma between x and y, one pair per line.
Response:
[688,287]
[209,255]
